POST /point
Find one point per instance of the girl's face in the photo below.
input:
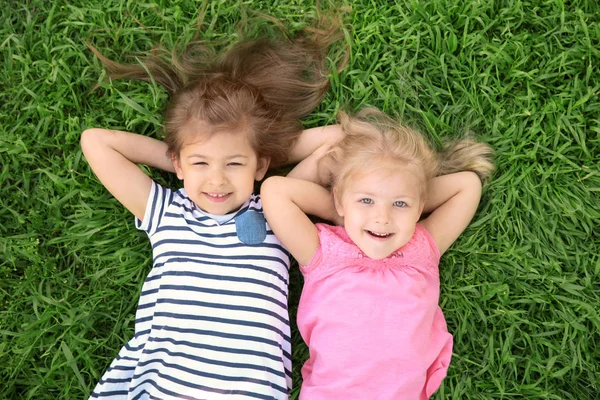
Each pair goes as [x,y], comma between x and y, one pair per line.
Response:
[380,209]
[218,171]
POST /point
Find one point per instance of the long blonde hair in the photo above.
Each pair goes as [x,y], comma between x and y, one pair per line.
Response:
[260,86]
[372,138]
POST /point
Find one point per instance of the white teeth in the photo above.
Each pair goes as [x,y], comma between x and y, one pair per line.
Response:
[379,234]
[217,194]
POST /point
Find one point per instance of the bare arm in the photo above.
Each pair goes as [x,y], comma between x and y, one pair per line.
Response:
[312,139]
[452,201]
[286,203]
[113,156]
[311,169]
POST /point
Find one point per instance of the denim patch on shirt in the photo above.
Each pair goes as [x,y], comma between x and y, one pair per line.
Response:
[251,227]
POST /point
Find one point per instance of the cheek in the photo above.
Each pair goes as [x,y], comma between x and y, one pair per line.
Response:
[243,179]
[355,218]
[249,177]
[192,175]
[416,216]
[405,221]
[347,209]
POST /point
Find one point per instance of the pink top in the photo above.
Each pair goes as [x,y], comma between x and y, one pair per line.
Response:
[373,327]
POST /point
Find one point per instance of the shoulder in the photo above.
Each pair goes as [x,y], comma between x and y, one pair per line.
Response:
[422,246]
[331,235]
[159,199]
[161,195]
[332,230]
[334,246]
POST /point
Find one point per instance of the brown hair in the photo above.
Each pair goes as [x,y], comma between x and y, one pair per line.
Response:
[372,139]
[260,86]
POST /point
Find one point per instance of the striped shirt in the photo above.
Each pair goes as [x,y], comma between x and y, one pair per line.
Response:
[212,320]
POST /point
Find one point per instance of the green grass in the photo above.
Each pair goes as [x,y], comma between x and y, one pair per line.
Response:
[521,287]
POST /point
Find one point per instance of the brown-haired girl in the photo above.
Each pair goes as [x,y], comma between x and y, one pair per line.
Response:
[212,320]
[369,308]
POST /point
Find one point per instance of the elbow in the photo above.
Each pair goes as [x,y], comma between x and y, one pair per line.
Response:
[474,179]
[329,137]
[92,139]
[89,138]
[471,182]
[333,135]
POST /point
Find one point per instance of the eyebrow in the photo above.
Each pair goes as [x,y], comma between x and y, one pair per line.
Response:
[397,196]
[226,158]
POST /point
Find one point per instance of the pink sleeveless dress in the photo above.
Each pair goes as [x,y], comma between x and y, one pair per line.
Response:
[373,327]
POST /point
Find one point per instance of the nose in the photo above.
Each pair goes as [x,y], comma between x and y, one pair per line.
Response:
[217,177]
[382,215]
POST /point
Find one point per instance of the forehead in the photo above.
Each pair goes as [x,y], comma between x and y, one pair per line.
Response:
[385,182]
[200,137]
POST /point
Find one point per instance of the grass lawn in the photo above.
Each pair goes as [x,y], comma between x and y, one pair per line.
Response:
[520,289]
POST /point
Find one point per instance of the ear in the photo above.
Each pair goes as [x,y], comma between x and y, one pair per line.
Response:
[337,202]
[262,165]
[177,165]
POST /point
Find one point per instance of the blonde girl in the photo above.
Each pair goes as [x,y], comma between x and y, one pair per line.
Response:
[212,319]
[369,307]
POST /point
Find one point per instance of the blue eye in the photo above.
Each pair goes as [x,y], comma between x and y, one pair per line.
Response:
[399,203]
[366,201]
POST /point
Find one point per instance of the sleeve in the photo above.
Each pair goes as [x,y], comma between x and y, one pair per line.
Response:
[158,200]
[317,259]
[434,252]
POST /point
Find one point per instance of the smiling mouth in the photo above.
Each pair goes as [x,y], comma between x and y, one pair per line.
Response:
[217,197]
[378,235]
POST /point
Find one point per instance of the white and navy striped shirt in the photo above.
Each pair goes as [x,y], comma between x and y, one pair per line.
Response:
[212,321]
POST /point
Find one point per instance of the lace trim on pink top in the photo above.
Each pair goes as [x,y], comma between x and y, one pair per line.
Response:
[428,253]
